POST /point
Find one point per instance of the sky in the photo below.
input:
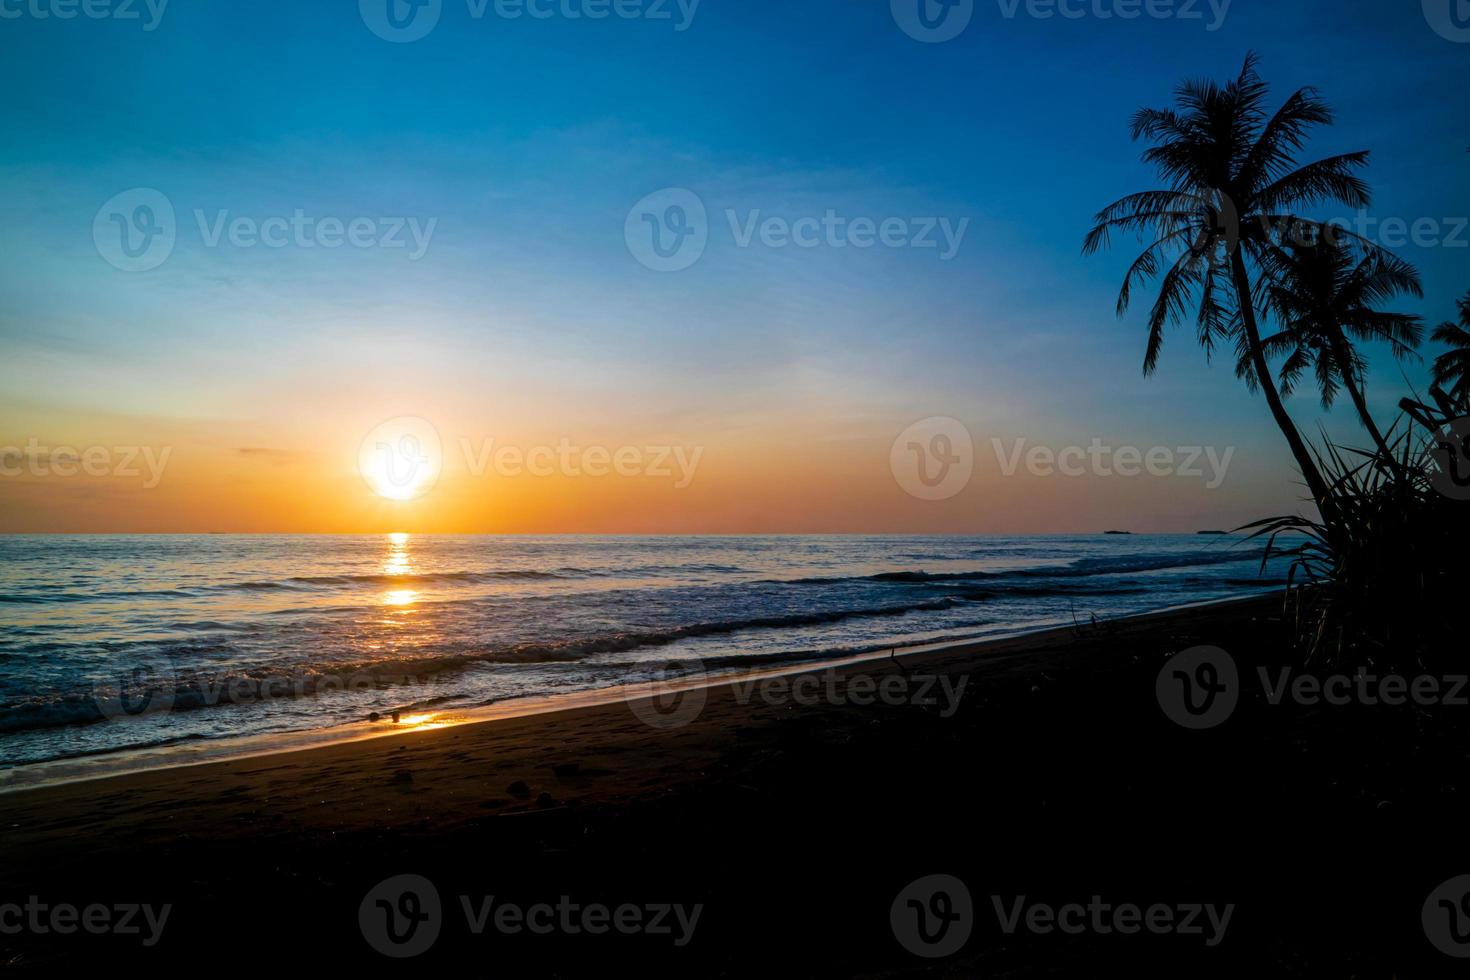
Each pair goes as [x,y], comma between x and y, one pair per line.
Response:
[871,227]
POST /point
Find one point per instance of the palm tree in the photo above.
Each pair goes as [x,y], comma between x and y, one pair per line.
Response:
[1452,369]
[1232,186]
[1321,293]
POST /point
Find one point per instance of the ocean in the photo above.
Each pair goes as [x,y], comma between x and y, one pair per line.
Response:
[118,643]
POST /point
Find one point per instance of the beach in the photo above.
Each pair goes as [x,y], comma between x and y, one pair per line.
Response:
[648,488]
[789,814]
[137,650]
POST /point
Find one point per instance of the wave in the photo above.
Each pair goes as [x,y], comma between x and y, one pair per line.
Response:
[1084,567]
[421,578]
[1049,591]
[154,743]
[619,642]
[297,583]
[1081,568]
[187,689]
[795,658]
[632,673]
[1148,563]
[309,583]
[49,597]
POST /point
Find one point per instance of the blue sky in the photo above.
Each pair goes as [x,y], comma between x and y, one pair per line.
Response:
[528,141]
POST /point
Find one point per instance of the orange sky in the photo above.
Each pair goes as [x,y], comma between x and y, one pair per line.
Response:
[760,476]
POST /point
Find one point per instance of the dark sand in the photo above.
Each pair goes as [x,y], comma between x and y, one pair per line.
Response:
[795,826]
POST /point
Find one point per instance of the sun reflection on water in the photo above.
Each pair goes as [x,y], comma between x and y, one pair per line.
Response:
[420,722]
[398,560]
[398,563]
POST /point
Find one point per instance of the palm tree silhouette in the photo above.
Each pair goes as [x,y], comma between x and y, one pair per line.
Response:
[1232,186]
[1321,293]
[1452,369]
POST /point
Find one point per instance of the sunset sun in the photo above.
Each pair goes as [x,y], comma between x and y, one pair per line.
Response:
[401,459]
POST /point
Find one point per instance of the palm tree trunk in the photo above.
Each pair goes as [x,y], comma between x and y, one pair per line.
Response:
[1299,450]
[1344,358]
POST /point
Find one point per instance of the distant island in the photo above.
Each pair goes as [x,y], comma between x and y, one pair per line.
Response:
[1212,532]
[1117,532]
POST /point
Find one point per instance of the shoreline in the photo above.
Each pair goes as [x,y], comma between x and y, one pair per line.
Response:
[132,762]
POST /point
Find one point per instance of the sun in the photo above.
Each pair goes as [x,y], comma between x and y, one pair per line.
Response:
[401,459]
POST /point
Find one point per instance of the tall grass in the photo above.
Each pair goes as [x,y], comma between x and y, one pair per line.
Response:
[1381,582]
